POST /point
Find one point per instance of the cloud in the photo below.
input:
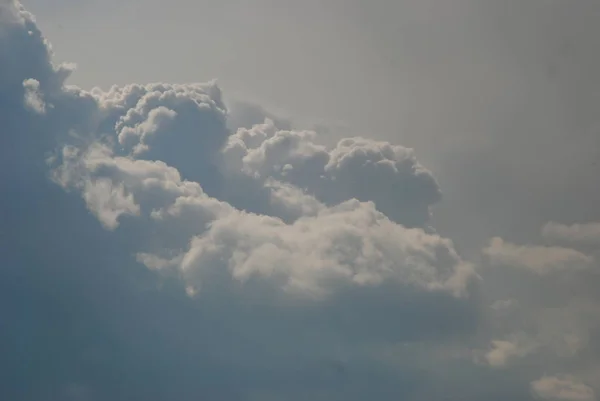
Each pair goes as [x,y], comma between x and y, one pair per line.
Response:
[243,114]
[562,388]
[131,252]
[533,334]
[587,233]
[156,246]
[368,170]
[345,246]
[33,97]
[545,319]
[502,351]
[541,260]
[329,247]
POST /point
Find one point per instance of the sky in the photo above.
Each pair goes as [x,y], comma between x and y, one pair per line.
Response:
[282,200]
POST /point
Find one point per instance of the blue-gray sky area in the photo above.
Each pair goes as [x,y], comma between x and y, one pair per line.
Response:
[283,200]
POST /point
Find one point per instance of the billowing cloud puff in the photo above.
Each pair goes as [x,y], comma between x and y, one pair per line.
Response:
[181,125]
[340,247]
[116,186]
[360,168]
[152,121]
[33,97]
[327,249]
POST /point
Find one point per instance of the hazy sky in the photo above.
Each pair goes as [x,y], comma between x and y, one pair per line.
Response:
[492,295]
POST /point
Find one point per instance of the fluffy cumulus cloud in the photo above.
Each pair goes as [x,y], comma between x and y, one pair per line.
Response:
[158,245]
[364,169]
[346,246]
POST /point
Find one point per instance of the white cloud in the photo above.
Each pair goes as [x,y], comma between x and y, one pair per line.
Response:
[33,97]
[347,245]
[503,351]
[108,202]
[562,388]
[288,200]
[541,260]
[156,119]
[324,250]
[368,170]
[116,185]
[155,107]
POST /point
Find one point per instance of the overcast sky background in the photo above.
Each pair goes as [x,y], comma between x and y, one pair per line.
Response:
[494,297]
